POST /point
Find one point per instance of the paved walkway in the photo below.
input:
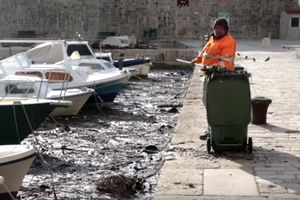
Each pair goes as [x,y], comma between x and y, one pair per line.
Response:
[272,171]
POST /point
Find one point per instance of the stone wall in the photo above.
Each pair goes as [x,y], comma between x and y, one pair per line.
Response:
[163,18]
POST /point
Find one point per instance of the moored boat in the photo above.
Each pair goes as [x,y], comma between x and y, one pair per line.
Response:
[35,87]
[139,66]
[15,161]
[78,97]
[20,116]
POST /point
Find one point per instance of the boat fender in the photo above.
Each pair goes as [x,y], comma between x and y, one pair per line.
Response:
[1,180]
[90,70]
[162,57]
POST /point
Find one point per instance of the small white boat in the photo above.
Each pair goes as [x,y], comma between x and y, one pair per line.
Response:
[15,161]
[35,87]
[139,66]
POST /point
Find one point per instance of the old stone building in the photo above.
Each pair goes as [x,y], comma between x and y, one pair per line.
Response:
[146,19]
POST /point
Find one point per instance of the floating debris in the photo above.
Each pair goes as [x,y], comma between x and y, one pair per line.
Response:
[173,110]
[151,149]
[121,185]
[98,144]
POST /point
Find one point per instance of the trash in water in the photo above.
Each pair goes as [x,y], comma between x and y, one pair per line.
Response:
[121,185]
[98,144]
[151,149]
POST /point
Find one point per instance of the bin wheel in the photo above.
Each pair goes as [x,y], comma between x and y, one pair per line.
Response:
[250,145]
[208,145]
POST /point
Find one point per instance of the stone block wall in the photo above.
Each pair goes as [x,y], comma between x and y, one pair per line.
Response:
[63,18]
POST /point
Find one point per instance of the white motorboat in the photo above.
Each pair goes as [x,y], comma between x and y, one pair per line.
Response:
[35,87]
[139,66]
[15,161]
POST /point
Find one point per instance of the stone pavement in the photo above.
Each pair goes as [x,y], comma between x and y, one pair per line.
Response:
[272,171]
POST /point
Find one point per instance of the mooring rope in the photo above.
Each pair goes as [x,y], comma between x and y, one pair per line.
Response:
[96,98]
[44,162]
[7,189]
[16,123]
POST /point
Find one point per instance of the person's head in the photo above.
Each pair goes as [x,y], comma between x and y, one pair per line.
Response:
[220,28]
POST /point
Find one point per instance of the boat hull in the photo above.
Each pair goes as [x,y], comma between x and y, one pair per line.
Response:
[141,70]
[78,102]
[107,92]
[13,169]
[136,66]
[14,120]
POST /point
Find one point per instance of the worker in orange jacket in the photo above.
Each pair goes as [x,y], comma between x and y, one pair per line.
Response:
[220,50]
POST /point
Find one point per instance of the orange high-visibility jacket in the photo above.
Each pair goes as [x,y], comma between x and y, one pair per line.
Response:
[218,52]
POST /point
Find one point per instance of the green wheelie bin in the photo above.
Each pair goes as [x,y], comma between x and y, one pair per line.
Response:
[227,99]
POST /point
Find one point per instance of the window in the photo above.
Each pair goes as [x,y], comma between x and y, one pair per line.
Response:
[29,73]
[14,89]
[58,76]
[82,49]
[95,66]
[181,3]
[124,41]
[104,58]
[109,65]
[295,22]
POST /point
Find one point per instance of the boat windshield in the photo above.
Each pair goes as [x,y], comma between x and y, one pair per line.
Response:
[109,65]
[94,66]
[47,53]
[18,60]
[98,66]
[23,60]
[104,58]
[82,49]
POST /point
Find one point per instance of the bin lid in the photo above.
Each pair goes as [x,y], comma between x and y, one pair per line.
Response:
[260,99]
[223,72]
